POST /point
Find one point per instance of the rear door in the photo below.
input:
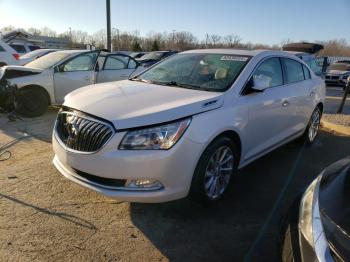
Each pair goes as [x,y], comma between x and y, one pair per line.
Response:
[74,73]
[116,67]
[300,86]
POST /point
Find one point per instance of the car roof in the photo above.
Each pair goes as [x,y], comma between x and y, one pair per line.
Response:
[75,51]
[236,52]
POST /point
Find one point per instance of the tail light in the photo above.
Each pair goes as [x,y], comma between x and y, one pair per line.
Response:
[16,56]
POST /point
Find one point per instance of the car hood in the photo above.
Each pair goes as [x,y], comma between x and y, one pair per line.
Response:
[10,72]
[334,204]
[129,104]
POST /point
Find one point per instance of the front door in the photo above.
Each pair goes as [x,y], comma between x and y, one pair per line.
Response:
[116,67]
[271,112]
[77,72]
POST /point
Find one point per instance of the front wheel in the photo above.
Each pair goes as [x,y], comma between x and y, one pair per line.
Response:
[214,170]
[31,102]
[313,126]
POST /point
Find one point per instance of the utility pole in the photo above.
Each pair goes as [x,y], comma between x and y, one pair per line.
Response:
[108,14]
[346,91]
[173,39]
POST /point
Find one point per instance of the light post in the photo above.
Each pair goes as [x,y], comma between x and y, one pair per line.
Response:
[346,92]
[108,15]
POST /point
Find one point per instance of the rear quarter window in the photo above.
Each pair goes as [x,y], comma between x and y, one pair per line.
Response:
[2,49]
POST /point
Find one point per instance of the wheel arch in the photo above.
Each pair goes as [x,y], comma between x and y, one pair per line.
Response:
[234,136]
[37,87]
[320,106]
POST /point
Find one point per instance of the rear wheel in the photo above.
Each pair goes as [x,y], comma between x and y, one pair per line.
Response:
[313,126]
[214,170]
[31,102]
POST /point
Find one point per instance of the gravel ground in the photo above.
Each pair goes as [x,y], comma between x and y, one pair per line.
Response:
[339,119]
[45,217]
[333,99]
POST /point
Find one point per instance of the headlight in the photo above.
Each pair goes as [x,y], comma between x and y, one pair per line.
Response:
[306,212]
[310,225]
[157,137]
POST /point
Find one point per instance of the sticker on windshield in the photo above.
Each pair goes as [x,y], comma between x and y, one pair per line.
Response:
[234,58]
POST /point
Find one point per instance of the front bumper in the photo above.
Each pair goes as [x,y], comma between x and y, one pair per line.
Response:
[172,168]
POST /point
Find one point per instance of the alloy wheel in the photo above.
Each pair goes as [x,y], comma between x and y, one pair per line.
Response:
[218,172]
[314,125]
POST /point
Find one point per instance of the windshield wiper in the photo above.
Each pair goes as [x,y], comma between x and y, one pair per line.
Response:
[174,83]
[136,78]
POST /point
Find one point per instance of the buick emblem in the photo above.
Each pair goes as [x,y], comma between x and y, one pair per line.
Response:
[72,126]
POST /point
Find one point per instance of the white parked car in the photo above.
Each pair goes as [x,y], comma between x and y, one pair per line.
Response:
[31,56]
[8,56]
[185,125]
[48,79]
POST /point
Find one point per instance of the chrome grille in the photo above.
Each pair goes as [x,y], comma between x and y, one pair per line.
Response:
[82,133]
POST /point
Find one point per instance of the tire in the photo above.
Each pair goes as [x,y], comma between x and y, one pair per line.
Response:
[203,186]
[31,102]
[312,126]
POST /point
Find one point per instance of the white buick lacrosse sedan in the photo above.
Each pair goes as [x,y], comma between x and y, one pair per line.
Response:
[184,126]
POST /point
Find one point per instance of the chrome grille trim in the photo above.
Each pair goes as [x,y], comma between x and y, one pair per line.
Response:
[80,133]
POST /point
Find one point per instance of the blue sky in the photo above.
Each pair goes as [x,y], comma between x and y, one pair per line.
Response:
[264,21]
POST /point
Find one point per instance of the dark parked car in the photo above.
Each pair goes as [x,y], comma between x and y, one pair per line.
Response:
[137,55]
[318,225]
[153,57]
[338,73]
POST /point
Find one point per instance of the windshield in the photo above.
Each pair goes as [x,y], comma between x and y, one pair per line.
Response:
[339,66]
[33,53]
[153,56]
[48,60]
[209,72]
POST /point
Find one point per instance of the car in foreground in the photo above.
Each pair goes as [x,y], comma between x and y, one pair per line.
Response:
[154,57]
[185,125]
[318,227]
[337,74]
[8,56]
[48,79]
[31,56]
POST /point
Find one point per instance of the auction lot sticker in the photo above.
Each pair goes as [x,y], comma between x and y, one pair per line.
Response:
[233,58]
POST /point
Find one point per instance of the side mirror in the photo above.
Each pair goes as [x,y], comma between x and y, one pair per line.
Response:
[260,83]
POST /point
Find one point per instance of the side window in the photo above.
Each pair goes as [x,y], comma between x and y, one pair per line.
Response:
[294,71]
[132,64]
[272,70]
[83,62]
[116,62]
[307,74]
[2,49]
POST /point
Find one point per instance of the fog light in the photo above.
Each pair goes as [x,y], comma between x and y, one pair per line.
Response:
[144,184]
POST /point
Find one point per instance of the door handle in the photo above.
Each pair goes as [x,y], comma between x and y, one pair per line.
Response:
[86,78]
[285,103]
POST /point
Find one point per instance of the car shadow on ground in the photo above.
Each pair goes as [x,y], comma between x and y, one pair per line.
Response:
[36,128]
[67,217]
[245,225]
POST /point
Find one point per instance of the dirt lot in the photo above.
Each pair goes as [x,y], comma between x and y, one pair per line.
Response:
[46,217]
